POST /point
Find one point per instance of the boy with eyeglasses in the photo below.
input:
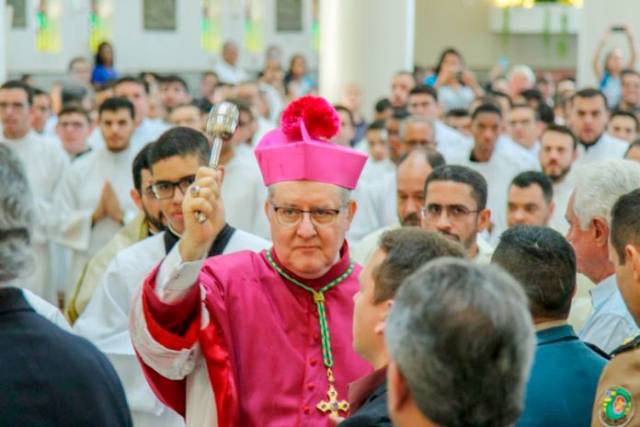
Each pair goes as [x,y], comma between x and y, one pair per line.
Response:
[174,161]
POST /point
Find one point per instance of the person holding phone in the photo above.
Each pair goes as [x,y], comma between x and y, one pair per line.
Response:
[609,72]
[456,85]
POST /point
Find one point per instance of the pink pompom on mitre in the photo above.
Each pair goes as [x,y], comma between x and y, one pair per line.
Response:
[321,120]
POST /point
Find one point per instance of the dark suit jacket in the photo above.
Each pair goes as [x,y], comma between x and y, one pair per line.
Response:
[373,412]
[50,378]
[563,381]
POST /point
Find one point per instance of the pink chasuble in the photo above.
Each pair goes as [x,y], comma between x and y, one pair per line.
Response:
[263,343]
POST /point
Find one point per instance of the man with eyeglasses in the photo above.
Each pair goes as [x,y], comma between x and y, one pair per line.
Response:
[174,161]
[44,163]
[92,201]
[261,338]
[455,205]
[148,222]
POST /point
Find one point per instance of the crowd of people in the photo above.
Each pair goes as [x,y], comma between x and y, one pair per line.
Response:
[465,254]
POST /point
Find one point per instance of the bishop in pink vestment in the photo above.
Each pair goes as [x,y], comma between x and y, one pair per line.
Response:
[249,339]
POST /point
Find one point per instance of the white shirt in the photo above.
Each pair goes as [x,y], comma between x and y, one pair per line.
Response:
[376,207]
[499,171]
[147,131]
[244,195]
[230,74]
[450,142]
[527,159]
[561,194]
[78,196]
[105,321]
[610,322]
[44,164]
[607,147]
[377,170]
[46,310]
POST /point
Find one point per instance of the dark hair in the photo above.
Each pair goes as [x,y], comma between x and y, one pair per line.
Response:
[462,175]
[174,78]
[625,223]
[17,84]
[406,250]
[433,158]
[546,114]
[634,144]
[243,106]
[203,104]
[443,54]
[495,94]
[103,87]
[382,104]
[74,109]
[563,130]
[73,93]
[628,72]
[116,103]
[140,162]
[457,112]
[344,109]
[424,90]
[180,141]
[39,92]
[98,58]
[377,125]
[527,106]
[532,95]
[590,92]
[624,113]
[529,178]
[545,265]
[486,108]
[131,79]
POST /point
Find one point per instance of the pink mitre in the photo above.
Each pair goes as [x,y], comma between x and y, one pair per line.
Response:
[300,150]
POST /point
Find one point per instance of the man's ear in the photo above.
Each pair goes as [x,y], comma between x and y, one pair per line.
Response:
[380,324]
[600,231]
[633,256]
[352,207]
[399,395]
[136,197]
[484,220]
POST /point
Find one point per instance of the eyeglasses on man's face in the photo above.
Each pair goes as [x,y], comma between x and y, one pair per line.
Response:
[434,211]
[290,216]
[166,189]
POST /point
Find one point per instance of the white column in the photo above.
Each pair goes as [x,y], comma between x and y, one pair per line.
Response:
[598,16]
[366,42]
[4,33]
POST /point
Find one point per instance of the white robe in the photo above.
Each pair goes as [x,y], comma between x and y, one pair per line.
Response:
[78,196]
[105,321]
[244,194]
[44,164]
[377,207]
[147,131]
[561,193]
[230,74]
[499,171]
[450,143]
[607,147]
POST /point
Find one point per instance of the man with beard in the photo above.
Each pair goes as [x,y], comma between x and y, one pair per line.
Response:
[146,224]
[174,161]
[456,206]
[530,200]
[588,121]
[413,170]
[401,85]
[557,153]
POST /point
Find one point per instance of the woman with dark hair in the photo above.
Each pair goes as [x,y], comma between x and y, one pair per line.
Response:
[297,82]
[103,70]
[456,85]
[609,72]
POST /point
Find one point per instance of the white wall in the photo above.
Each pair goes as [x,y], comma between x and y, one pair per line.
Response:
[3,41]
[355,47]
[162,51]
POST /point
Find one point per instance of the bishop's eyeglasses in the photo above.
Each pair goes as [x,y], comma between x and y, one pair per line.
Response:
[320,217]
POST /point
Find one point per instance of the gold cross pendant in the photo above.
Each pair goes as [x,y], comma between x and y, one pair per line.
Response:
[333,405]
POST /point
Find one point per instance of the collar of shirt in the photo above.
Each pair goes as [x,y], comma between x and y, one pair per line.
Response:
[550,324]
[603,291]
[361,389]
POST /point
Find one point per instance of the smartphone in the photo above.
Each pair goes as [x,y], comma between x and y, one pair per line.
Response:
[618,29]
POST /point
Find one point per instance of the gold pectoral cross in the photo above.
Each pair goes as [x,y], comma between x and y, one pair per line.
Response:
[333,405]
